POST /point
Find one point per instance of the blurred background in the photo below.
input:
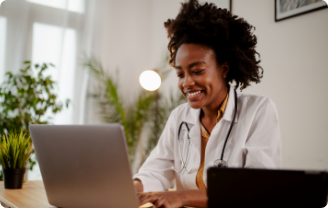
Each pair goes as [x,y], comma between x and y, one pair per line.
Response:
[101,46]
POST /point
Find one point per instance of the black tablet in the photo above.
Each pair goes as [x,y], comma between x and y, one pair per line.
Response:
[240,187]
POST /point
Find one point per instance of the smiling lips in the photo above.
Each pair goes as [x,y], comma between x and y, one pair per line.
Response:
[193,95]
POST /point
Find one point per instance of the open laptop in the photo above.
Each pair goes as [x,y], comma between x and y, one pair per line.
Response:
[84,166]
[237,187]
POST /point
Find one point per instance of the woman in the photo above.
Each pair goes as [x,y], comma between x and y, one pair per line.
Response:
[209,49]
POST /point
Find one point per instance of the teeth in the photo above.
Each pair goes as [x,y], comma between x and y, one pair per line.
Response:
[193,94]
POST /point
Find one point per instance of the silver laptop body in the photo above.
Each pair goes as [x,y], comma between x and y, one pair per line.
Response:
[84,165]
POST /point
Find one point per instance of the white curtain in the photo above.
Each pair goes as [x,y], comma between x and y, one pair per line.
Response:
[51,31]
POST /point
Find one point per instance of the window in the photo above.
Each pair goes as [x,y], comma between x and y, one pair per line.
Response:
[57,45]
[71,5]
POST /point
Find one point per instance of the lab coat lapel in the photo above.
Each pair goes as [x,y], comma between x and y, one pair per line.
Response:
[230,108]
[192,118]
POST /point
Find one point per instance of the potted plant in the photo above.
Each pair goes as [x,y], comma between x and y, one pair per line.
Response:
[25,97]
[15,150]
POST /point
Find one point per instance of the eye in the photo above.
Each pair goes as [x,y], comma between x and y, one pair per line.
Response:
[180,75]
[199,71]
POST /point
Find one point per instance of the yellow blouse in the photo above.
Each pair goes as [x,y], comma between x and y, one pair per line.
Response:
[204,139]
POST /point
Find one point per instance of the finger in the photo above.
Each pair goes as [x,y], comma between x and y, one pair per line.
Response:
[160,202]
[141,195]
[148,198]
[144,199]
[140,198]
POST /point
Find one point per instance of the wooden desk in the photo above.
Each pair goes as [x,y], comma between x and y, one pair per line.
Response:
[32,195]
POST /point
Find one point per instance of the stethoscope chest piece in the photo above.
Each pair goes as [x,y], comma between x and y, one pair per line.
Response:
[220,163]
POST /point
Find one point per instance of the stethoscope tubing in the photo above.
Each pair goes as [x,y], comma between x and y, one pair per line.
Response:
[233,121]
[180,150]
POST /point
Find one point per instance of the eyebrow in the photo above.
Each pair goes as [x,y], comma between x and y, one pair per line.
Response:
[191,65]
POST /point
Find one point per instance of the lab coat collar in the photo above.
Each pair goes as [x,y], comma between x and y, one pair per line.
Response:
[192,117]
[230,108]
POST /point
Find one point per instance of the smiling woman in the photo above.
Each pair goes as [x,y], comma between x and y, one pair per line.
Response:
[210,50]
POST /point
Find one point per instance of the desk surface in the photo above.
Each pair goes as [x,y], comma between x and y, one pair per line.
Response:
[32,195]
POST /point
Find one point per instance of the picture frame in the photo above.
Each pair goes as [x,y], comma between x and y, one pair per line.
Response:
[285,9]
[230,6]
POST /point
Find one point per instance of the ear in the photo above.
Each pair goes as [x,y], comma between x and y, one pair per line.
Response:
[225,67]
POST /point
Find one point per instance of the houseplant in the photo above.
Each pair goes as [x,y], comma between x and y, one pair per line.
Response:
[15,150]
[25,97]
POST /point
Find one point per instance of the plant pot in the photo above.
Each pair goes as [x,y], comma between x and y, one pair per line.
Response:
[13,178]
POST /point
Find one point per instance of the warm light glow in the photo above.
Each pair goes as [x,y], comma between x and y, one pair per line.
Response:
[150,80]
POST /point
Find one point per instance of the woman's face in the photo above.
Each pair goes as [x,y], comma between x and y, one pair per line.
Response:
[201,80]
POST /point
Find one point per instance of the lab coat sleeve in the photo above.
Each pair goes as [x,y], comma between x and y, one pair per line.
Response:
[156,173]
[263,145]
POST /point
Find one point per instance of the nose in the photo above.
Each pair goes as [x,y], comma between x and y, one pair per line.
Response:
[188,81]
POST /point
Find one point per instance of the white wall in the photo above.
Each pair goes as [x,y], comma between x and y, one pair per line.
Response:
[294,58]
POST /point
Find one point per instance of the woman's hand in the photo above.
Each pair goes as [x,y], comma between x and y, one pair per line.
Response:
[173,199]
[170,199]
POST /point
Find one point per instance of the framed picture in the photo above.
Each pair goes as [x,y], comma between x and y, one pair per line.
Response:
[290,8]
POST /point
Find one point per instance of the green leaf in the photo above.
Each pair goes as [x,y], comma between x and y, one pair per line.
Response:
[32,163]
[9,74]
[67,102]
[27,62]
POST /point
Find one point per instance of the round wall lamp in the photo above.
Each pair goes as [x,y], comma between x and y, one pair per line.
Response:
[150,80]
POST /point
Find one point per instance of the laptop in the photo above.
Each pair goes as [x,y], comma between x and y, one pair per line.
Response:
[84,166]
[238,187]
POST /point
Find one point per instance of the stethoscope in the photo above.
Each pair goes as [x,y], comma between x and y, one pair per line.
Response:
[217,163]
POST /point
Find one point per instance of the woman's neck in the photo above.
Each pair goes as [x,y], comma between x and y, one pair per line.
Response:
[211,112]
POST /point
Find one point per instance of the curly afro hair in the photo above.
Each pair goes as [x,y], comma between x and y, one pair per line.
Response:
[230,37]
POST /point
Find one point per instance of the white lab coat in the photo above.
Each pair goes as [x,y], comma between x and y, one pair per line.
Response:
[254,142]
